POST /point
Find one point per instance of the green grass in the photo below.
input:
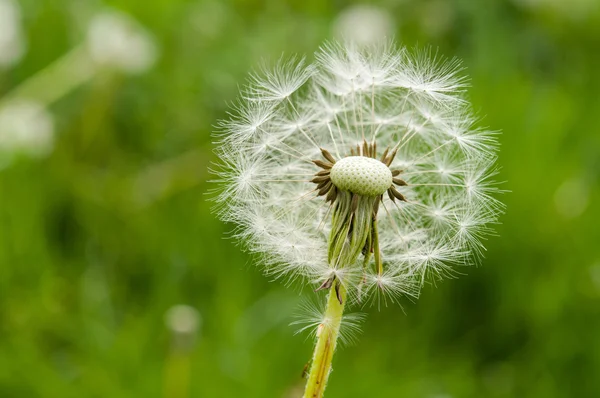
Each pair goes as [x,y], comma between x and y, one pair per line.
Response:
[99,239]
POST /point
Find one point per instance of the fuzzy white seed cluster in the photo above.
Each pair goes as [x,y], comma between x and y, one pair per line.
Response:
[361,175]
[26,127]
[117,41]
[430,224]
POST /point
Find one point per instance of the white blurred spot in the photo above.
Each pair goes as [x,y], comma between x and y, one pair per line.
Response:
[26,127]
[117,41]
[572,197]
[12,44]
[363,25]
[183,319]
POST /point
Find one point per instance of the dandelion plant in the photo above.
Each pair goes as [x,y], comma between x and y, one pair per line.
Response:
[360,174]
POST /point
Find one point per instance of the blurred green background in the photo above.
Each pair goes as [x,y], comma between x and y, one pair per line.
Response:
[105,226]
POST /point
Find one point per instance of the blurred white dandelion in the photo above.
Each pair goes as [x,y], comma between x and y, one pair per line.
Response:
[115,40]
[362,174]
[26,127]
[12,41]
[184,323]
[364,24]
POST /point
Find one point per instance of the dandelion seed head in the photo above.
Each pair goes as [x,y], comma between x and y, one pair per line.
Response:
[365,167]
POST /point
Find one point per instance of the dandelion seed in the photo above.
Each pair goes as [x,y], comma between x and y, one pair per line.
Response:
[361,174]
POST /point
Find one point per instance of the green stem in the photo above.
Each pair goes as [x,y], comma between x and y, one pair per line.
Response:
[376,248]
[55,80]
[327,335]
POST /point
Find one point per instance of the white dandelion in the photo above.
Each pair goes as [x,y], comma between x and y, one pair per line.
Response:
[115,40]
[26,127]
[183,321]
[364,24]
[362,174]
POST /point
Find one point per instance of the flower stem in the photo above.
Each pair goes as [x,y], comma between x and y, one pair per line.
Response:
[327,335]
[376,248]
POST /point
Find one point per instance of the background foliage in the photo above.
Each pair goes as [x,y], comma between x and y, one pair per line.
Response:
[102,236]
